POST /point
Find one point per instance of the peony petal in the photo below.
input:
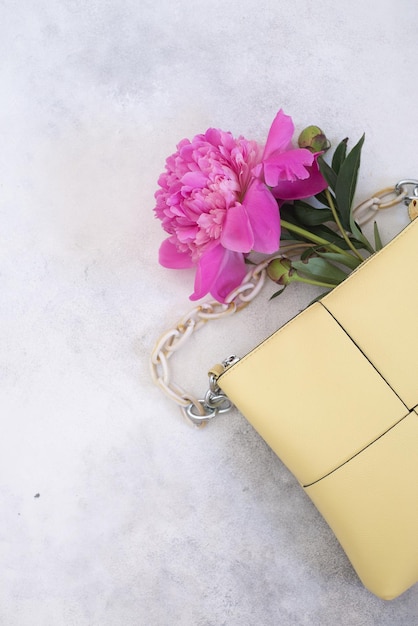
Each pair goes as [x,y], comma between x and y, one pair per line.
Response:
[291,165]
[237,234]
[316,183]
[170,257]
[231,274]
[213,135]
[207,271]
[194,179]
[280,134]
[219,272]
[263,213]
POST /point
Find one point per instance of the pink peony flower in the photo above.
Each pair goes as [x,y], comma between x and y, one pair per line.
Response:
[217,200]
[291,173]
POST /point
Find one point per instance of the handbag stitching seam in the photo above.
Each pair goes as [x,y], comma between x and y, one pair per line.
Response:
[365,355]
[359,452]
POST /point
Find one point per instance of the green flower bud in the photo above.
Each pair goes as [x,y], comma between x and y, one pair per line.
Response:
[280,271]
[313,139]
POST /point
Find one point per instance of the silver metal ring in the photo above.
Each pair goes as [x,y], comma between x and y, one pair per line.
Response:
[401,187]
[406,181]
[209,412]
[214,400]
[196,418]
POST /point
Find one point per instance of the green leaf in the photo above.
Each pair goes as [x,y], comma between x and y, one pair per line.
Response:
[327,172]
[356,231]
[350,261]
[377,239]
[321,196]
[332,237]
[277,293]
[309,215]
[320,269]
[287,213]
[321,232]
[285,236]
[307,253]
[345,186]
[339,155]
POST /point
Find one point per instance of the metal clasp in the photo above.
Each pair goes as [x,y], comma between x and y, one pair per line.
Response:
[215,401]
[191,413]
[402,188]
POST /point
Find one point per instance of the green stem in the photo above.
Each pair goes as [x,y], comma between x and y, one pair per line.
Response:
[310,281]
[340,227]
[314,238]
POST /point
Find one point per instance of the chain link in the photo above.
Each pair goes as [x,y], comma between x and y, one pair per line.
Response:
[367,210]
[196,409]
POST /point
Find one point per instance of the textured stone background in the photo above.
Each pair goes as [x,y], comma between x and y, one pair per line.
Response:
[114,510]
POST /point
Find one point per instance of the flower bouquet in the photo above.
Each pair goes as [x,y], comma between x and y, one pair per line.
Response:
[222,198]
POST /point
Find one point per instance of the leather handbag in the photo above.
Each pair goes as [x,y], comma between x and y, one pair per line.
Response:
[334,392]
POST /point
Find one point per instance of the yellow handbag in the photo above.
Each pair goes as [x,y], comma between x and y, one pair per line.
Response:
[334,392]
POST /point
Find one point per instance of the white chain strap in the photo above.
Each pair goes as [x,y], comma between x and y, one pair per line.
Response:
[174,338]
[199,411]
[367,210]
